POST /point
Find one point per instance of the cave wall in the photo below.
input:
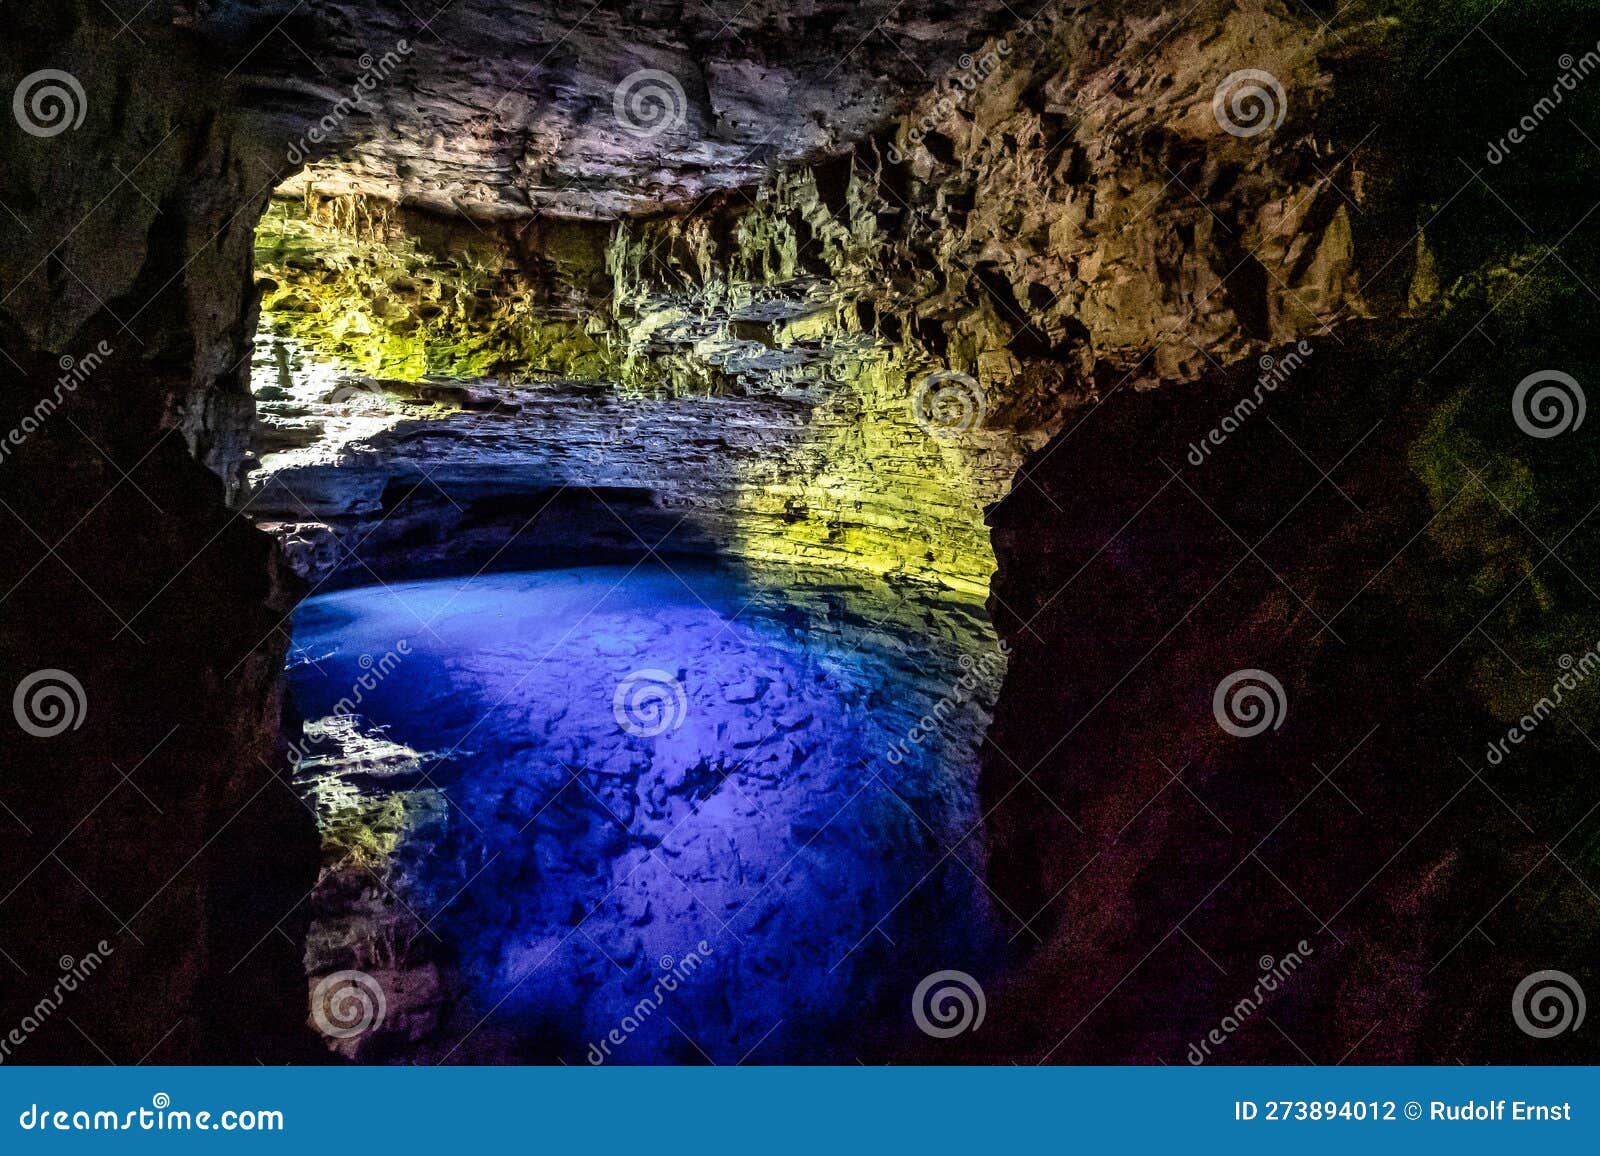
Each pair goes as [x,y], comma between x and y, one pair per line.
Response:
[762,416]
[1372,827]
[620,108]
[1062,223]
[154,830]
[1042,229]
[401,295]
[1390,532]
[1052,232]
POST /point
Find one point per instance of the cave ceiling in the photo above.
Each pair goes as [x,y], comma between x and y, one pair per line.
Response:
[502,109]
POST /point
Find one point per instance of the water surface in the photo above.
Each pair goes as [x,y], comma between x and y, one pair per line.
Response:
[713,816]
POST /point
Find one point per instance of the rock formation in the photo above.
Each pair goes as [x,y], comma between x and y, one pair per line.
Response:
[975,303]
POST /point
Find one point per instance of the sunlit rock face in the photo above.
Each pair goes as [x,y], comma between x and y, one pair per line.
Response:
[762,419]
[401,294]
[926,308]
[504,108]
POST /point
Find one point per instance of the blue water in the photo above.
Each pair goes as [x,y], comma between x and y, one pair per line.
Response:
[644,815]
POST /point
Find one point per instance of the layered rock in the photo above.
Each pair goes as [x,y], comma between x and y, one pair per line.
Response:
[1038,233]
[764,419]
[400,294]
[509,108]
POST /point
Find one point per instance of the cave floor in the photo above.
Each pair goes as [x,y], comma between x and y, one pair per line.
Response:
[643,814]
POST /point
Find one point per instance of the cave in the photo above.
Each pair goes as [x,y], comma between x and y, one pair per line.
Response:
[1045,533]
[636,636]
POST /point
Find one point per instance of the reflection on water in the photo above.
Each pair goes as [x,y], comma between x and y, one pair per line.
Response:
[641,815]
